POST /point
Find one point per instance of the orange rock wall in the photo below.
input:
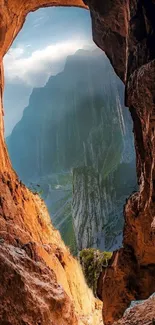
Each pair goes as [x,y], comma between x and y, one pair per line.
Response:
[125,30]
[40,282]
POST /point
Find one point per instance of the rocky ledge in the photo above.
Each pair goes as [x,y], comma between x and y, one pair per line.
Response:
[143,313]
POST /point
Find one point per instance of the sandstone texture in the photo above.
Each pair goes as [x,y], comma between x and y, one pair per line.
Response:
[40,282]
[125,30]
[34,261]
[144,313]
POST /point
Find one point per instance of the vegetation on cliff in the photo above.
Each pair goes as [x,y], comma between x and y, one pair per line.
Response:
[93,261]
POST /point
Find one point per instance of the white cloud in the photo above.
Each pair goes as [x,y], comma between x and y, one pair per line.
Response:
[35,69]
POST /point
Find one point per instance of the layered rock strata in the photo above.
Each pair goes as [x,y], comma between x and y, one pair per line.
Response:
[87,207]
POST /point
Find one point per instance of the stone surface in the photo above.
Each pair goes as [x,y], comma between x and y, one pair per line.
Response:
[29,292]
[34,259]
[87,214]
[143,313]
[126,31]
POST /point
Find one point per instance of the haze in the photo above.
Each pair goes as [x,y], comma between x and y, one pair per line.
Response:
[48,36]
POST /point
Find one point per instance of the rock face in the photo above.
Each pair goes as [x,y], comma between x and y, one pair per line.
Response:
[126,31]
[98,203]
[143,313]
[78,122]
[36,266]
[87,208]
[38,299]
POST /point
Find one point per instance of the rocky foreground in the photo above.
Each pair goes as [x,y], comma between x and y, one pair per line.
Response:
[143,313]
[40,282]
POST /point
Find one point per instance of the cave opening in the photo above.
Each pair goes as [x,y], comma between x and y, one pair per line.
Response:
[68,132]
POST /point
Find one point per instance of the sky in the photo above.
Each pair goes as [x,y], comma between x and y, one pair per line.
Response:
[48,36]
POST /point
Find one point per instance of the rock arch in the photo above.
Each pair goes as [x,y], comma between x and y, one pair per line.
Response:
[126,31]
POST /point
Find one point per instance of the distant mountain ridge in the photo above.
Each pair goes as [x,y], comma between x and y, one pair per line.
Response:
[78,120]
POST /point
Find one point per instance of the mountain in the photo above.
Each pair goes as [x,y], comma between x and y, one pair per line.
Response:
[16,95]
[74,140]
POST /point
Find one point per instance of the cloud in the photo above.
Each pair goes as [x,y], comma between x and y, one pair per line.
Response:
[35,68]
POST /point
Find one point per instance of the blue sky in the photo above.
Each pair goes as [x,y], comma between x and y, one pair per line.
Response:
[48,36]
[52,25]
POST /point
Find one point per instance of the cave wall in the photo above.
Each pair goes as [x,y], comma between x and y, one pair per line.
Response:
[40,282]
[125,31]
